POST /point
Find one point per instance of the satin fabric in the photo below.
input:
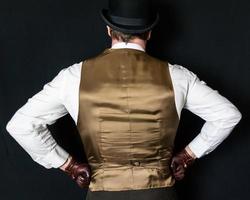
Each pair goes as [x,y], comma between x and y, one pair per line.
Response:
[127,120]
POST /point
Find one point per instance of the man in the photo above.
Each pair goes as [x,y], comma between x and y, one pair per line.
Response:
[126,105]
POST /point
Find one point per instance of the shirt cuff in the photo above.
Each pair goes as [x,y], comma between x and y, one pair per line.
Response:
[199,147]
[56,158]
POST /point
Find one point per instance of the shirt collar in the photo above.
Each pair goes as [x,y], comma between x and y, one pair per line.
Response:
[129,45]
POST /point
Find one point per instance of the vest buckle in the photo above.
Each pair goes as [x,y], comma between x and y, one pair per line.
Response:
[135,162]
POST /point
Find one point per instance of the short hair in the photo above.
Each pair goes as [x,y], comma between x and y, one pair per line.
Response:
[126,37]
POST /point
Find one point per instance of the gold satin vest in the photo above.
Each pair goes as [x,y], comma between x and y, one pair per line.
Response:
[127,120]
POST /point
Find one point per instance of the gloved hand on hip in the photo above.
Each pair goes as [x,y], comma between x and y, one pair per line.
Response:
[80,172]
[180,162]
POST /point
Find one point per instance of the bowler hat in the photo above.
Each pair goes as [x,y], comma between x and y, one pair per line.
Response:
[130,16]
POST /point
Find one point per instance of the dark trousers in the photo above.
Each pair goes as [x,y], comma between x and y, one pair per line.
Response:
[165,193]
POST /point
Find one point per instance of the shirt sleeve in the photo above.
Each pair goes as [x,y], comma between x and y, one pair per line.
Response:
[28,126]
[220,115]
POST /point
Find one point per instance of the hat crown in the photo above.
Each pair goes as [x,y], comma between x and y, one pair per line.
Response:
[130,8]
[130,16]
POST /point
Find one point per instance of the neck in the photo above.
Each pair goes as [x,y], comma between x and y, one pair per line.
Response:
[140,42]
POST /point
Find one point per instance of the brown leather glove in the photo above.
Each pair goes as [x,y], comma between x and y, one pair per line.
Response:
[180,162]
[80,172]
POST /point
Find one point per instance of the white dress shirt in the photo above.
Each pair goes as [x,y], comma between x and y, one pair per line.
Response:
[60,96]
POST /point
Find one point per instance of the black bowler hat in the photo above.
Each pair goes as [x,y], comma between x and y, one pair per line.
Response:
[130,16]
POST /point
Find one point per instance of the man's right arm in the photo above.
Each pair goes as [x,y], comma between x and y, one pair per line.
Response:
[220,116]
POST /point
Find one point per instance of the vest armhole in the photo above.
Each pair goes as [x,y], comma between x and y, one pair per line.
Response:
[172,86]
[79,89]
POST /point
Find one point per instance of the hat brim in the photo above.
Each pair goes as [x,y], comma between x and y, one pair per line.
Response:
[128,29]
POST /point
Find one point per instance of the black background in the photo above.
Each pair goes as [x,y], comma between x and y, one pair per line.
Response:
[39,38]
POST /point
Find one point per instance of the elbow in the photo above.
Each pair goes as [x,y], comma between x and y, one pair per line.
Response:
[238,116]
[10,127]
[13,125]
[235,115]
